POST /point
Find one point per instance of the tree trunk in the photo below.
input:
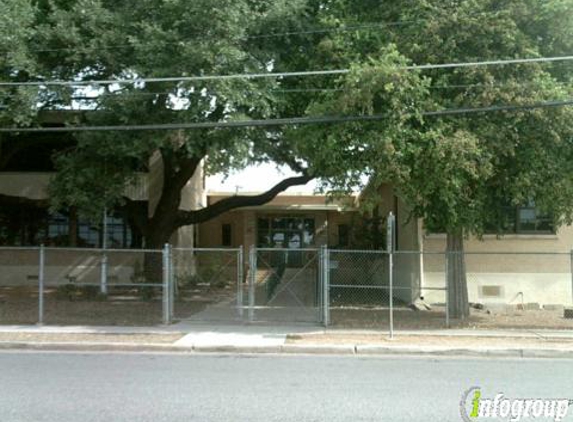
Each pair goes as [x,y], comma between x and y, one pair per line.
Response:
[458,304]
[158,234]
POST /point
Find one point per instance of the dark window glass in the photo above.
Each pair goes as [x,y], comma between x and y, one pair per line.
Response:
[227,235]
[88,235]
[515,220]
[58,230]
[285,232]
[31,227]
[343,235]
[21,226]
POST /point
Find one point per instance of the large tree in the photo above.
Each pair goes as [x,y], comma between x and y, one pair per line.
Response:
[98,39]
[85,40]
[455,171]
[458,171]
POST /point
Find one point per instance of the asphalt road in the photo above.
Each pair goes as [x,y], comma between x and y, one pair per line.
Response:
[152,387]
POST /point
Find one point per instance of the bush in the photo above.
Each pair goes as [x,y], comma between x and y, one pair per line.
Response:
[89,292]
[66,291]
[147,293]
[70,291]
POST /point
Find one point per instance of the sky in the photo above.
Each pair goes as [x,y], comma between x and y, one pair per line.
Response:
[255,179]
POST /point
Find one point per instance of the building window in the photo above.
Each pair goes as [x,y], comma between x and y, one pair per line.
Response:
[88,235]
[522,220]
[343,235]
[119,233]
[31,227]
[515,220]
[285,232]
[226,235]
[22,226]
[58,233]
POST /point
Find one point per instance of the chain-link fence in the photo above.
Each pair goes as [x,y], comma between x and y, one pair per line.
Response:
[209,284]
[359,289]
[74,286]
[505,290]
[19,285]
[381,290]
[342,288]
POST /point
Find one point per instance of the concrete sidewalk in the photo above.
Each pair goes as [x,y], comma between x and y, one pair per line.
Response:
[189,338]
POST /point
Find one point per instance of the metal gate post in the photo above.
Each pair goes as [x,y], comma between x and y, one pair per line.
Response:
[41,268]
[320,285]
[165,289]
[447,290]
[103,274]
[172,285]
[326,286]
[390,246]
[104,259]
[240,269]
[252,282]
[571,268]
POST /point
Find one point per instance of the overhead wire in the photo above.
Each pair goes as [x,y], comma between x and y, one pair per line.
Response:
[200,78]
[284,121]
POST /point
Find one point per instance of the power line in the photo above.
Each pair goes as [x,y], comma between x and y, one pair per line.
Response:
[310,31]
[348,28]
[282,74]
[467,110]
[139,93]
[284,121]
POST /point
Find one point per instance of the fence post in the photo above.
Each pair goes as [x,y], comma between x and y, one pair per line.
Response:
[447,290]
[172,285]
[571,266]
[252,281]
[165,295]
[390,247]
[103,273]
[240,269]
[41,268]
[319,290]
[326,286]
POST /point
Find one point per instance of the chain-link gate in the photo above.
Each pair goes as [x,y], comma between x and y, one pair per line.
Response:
[208,284]
[285,285]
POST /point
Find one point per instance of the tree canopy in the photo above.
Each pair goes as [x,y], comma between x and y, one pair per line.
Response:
[458,172]
[455,171]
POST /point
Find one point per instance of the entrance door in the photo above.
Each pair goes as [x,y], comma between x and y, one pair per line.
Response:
[286,232]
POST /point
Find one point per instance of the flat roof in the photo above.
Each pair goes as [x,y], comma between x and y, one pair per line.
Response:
[293,207]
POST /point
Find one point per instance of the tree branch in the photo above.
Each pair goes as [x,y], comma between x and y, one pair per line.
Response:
[199,216]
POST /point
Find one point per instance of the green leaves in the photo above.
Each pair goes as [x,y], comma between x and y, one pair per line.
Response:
[455,172]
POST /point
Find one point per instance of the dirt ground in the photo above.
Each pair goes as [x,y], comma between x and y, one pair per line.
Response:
[92,338]
[406,319]
[19,306]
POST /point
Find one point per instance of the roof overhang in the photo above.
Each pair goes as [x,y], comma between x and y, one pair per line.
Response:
[292,207]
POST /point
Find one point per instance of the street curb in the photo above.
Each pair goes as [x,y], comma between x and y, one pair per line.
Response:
[290,349]
[234,349]
[319,349]
[437,351]
[89,347]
